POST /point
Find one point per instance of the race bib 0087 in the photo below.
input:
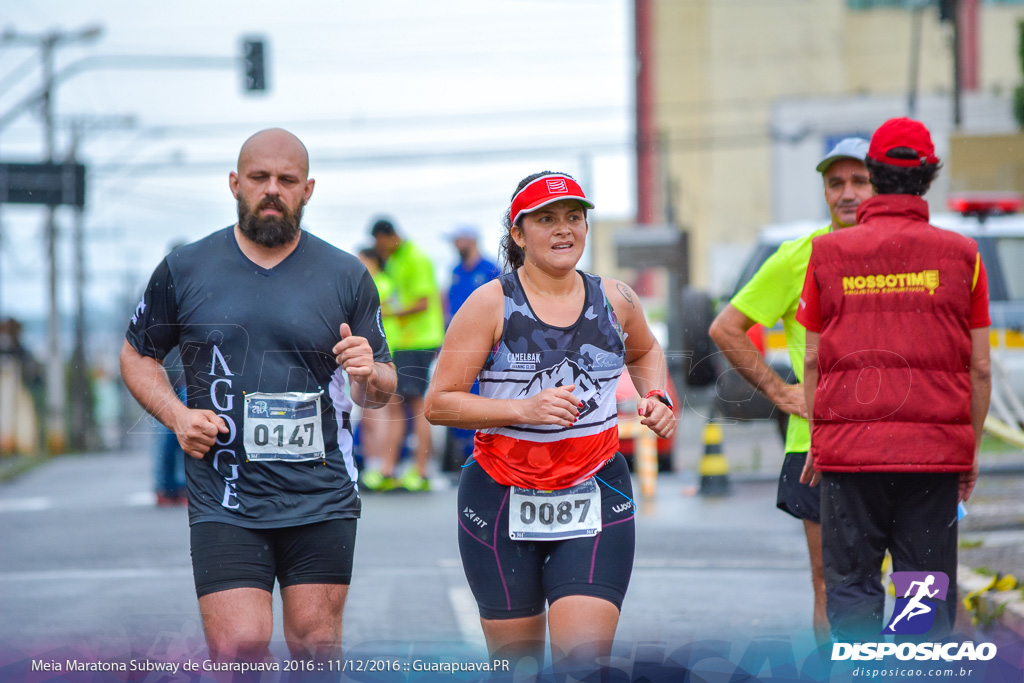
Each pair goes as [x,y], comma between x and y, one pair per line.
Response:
[574,512]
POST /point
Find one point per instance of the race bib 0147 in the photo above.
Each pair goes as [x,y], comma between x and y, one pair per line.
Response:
[283,426]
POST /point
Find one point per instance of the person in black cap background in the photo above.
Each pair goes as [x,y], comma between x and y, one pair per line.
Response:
[897,382]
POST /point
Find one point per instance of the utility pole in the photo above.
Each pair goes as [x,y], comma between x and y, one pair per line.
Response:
[646,128]
[964,40]
[55,385]
[81,414]
[916,18]
[82,419]
[646,124]
[958,73]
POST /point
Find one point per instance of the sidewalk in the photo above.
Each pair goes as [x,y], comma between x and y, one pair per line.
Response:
[12,466]
[992,540]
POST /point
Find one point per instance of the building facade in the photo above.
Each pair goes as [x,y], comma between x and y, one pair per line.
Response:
[748,94]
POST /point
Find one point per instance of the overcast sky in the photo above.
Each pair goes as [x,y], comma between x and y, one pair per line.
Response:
[428,111]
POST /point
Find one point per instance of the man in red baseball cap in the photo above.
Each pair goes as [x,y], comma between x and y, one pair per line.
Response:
[772,295]
[897,323]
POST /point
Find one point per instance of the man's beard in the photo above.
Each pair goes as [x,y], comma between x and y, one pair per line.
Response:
[269,231]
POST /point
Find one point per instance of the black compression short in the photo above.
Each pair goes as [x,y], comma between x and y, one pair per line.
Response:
[226,556]
[513,579]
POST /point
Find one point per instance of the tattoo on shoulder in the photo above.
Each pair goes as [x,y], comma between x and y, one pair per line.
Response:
[626,293]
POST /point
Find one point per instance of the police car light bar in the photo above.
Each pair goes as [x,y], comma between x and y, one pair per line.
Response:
[983,204]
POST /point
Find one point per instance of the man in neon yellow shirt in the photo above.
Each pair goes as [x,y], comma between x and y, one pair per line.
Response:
[385,288]
[416,308]
[774,293]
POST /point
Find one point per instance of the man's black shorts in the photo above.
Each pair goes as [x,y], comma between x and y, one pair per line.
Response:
[226,556]
[413,368]
[800,500]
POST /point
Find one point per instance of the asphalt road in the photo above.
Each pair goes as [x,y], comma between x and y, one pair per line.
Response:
[90,568]
[90,563]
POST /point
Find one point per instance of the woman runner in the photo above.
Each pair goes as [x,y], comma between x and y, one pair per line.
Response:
[545,502]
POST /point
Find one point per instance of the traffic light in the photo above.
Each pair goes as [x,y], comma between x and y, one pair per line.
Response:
[255,74]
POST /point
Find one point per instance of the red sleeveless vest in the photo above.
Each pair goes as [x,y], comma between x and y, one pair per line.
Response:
[894,390]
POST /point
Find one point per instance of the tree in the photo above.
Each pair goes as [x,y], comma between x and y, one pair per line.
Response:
[1018,93]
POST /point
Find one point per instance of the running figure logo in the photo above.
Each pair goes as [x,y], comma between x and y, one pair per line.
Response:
[916,595]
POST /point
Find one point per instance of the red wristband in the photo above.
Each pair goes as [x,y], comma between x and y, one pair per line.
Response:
[661,396]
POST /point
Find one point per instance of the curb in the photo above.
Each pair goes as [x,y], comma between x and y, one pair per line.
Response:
[13,466]
[1008,605]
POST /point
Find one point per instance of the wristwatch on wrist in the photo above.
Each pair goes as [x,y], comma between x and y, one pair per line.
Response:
[661,396]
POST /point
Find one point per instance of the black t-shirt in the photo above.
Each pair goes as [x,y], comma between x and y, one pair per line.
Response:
[242,329]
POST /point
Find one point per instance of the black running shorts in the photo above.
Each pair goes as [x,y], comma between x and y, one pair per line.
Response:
[413,369]
[800,500]
[513,579]
[226,556]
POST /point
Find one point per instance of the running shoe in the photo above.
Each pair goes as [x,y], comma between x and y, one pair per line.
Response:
[374,480]
[412,481]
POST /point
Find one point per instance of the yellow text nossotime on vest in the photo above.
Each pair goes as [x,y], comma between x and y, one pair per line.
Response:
[892,283]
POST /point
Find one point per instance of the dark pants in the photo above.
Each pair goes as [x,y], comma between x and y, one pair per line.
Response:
[170,464]
[862,515]
[170,460]
[464,437]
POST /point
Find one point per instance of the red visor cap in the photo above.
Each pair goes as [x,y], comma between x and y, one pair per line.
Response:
[547,190]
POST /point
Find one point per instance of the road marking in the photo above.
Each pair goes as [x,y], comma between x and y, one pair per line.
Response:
[713,563]
[97,574]
[141,498]
[26,504]
[998,537]
[467,616]
[977,509]
[91,502]
[719,563]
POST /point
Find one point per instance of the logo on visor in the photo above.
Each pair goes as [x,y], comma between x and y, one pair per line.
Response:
[916,595]
[556,185]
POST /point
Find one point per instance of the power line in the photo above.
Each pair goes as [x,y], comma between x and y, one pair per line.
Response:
[380,158]
[17,73]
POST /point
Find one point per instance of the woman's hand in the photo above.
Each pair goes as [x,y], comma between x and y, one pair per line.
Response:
[555,406]
[656,416]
